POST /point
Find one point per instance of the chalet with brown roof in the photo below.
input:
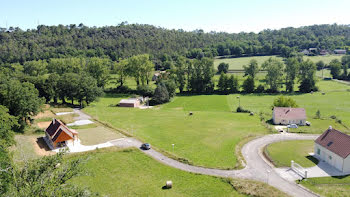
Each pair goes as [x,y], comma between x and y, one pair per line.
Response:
[333,147]
[288,115]
[58,134]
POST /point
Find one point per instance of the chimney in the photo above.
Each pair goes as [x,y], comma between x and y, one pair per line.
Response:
[330,128]
[53,120]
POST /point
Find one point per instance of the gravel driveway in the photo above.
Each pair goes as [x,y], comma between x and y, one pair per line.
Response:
[257,167]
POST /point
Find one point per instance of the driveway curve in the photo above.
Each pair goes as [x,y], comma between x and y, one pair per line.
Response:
[257,167]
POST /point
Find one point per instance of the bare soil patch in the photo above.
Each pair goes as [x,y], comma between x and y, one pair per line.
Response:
[43,125]
[44,114]
[41,147]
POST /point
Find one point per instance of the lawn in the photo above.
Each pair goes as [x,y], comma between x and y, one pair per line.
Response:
[237,63]
[24,148]
[97,135]
[129,172]
[329,186]
[333,102]
[282,153]
[207,138]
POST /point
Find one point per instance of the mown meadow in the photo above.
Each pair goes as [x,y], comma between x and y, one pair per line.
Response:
[129,172]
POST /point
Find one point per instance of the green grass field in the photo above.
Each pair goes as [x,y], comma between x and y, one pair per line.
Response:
[329,186]
[237,63]
[208,138]
[129,172]
[97,135]
[281,153]
[334,102]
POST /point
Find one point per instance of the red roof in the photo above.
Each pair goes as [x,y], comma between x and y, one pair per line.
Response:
[289,113]
[57,128]
[335,141]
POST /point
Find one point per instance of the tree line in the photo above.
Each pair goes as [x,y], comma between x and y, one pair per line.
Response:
[338,69]
[126,40]
[278,74]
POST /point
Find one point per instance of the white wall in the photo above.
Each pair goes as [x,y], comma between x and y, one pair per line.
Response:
[335,160]
[346,167]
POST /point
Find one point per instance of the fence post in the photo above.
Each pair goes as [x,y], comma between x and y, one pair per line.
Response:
[306,174]
[292,164]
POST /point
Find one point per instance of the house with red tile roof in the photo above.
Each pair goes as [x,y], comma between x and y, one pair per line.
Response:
[58,134]
[333,147]
[288,115]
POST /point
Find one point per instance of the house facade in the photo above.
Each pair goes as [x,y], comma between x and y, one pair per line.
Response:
[288,115]
[333,147]
[59,135]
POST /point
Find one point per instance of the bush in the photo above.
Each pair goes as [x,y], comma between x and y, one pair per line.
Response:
[318,115]
[122,89]
[145,90]
[170,86]
[241,110]
[223,67]
[260,89]
[248,85]
[161,94]
[284,102]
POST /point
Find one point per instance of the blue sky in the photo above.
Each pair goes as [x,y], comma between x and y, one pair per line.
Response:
[218,15]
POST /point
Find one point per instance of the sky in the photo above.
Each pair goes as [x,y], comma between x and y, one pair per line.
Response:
[231,16]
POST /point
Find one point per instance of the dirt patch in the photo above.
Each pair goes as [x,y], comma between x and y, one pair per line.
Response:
[44,114]
[41,147]
[43,125]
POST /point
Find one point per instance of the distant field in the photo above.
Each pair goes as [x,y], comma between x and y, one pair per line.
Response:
[329,186]
[326,59]
[282,153]
[112,172]
[237,63]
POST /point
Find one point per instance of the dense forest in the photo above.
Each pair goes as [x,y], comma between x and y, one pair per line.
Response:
[126,40]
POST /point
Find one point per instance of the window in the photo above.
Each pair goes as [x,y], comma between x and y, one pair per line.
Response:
[330,143]
[330,157]
[318,151]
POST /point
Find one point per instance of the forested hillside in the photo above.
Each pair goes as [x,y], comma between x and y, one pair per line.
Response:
[125,40]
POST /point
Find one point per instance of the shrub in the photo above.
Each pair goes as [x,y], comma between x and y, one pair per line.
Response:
[223,67]
[145,90]
[284,102]
[241,110]
[248,85]
[318,115]
[260,89]
[161,94]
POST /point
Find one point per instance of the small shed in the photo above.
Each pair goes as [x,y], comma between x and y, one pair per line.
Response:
[59,135]
[333,147]
[289,115]
[131,102]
